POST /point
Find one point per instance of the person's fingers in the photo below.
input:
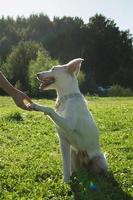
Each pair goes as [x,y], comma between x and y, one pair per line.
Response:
[22,100]
[31,107]
[26,103]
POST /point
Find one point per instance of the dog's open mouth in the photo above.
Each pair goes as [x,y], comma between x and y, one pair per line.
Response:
[46,82]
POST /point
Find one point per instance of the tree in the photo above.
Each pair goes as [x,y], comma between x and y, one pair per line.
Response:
[66,43]
[17,63]
[43,62]
[108,52]
[8,36]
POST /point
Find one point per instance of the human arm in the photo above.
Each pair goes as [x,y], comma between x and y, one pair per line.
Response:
[19,97]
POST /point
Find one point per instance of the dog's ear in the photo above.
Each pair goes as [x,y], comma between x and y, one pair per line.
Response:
[74,65]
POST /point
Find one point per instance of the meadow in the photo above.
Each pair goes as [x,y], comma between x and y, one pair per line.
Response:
[30,160]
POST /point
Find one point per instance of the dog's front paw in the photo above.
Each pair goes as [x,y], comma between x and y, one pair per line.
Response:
[45,110]
[37,107]
[33,106]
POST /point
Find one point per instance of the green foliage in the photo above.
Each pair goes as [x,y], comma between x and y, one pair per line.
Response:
[16,66]
[107,51]
[8,36]
[43,62]
[30,160]
[118,91]
[66,42]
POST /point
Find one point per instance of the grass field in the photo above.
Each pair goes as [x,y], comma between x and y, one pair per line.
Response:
[30,160]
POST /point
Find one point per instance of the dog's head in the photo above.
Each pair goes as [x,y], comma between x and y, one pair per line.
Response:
[59,77]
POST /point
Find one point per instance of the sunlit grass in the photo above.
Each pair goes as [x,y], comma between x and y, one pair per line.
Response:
[30,160]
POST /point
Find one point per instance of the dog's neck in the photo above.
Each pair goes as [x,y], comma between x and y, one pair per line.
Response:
[62,100]
[67,91]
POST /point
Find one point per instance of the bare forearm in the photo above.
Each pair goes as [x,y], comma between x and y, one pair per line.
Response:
[6,86]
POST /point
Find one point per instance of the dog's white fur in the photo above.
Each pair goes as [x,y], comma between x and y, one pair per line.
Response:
[77,130]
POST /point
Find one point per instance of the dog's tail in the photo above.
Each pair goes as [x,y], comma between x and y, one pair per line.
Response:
[96,164]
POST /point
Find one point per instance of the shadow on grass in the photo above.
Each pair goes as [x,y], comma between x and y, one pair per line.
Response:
[92,187]
[14,117]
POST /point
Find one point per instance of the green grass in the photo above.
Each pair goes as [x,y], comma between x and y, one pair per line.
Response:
[30,160]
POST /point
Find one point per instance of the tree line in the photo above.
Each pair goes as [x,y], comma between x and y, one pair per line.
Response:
[29,45]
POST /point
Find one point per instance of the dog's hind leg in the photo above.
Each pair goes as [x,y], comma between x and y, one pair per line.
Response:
[74,161]
[65,150]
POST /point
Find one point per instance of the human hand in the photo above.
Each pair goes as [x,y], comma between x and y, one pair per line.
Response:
[22,100]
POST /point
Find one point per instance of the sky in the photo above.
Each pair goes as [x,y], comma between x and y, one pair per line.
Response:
[121,11]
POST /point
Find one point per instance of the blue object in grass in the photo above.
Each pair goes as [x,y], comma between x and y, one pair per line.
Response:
[92,186]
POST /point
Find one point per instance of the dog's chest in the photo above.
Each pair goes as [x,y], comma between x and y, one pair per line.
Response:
[61,110]
[64,104]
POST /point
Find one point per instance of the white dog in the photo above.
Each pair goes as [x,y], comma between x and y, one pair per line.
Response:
[77,130]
